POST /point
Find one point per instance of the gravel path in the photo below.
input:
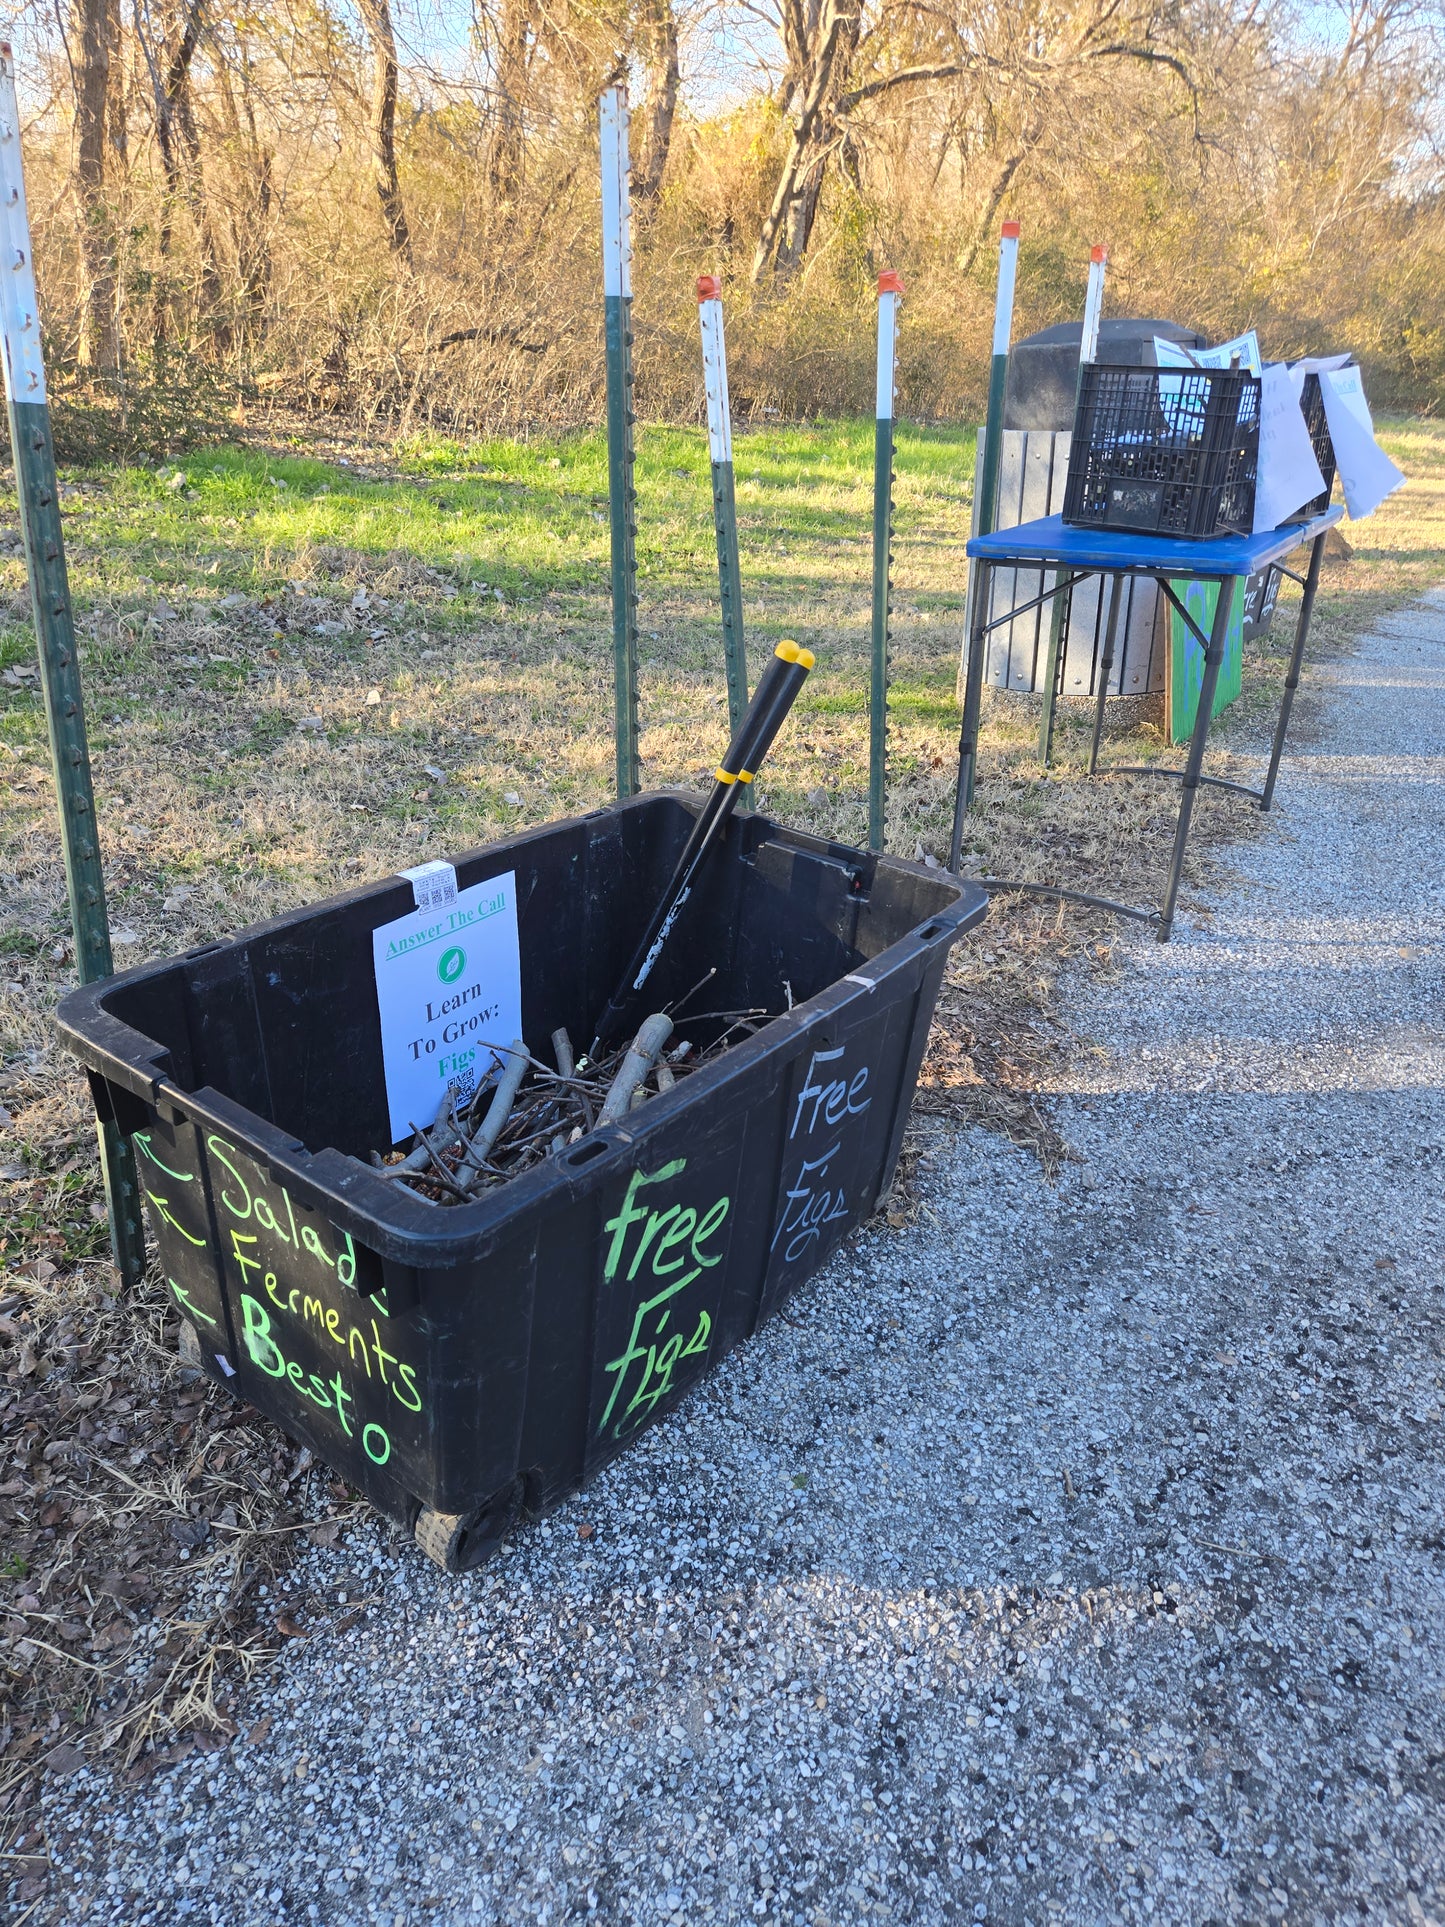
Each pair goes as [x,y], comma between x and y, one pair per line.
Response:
[1075,1555]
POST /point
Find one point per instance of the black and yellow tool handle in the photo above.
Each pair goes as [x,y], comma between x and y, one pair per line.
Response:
[774,696]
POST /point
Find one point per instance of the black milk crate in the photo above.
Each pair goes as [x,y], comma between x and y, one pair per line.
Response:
[462,1364]
[1170,451]
[1312,406]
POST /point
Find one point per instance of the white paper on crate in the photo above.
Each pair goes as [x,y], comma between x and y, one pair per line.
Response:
[1288,473]
[1366,472]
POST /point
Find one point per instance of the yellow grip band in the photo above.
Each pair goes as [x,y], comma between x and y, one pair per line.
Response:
[726,776]
[745,776]
[788,651]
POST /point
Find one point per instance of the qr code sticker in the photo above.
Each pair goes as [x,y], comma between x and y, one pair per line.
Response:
[433,884]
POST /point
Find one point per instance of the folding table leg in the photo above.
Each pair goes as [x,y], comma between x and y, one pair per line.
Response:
[1296,663]
[972,703]
[1213,657]
[1111,628]
[1058,622]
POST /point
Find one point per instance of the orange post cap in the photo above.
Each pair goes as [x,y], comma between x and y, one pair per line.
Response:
[709,288]
[889,282]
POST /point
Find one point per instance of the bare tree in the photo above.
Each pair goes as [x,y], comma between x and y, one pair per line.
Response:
[515,30]
[178,138]
[657,46]
[839,63]
[206,173]
[250,209]
[820,38]
[97,34]
[1014,157]
[376,16]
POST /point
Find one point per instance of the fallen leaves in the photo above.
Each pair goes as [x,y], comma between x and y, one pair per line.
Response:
[124,1477]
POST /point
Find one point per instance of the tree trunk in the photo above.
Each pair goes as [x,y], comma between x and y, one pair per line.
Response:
[376,15]
[175,129]
[250,217]
[1002,182]
[97,24]
[659,52]
[253,247]
[513,39]
[822,69]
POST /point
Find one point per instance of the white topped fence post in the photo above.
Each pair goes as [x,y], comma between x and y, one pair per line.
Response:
[724,496]
[890,293]
[621,488]
[1088,352]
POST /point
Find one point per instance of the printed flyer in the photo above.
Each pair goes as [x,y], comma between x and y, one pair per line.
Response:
[449,988]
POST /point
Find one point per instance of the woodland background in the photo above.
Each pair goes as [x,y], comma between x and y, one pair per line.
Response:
[387,212]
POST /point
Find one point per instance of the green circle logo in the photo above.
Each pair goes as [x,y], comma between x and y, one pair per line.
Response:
[453,962]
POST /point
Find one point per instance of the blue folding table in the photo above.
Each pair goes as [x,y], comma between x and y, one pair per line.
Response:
[1077,554]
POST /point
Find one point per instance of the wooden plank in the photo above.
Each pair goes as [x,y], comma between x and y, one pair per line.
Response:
[1083,640]
[1141,662]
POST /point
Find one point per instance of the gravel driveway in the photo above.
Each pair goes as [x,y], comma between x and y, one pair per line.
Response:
[1075,1555]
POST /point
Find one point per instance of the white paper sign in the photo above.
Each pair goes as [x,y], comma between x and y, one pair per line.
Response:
[1289,473]
[1169,354]
[1366,471]
[1314,365]
[449,987]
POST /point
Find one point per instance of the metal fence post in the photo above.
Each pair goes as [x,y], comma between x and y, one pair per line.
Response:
[36,484]
[1088,348]
[985,506]
[890,293]
[724,499]
[1003,318]
[622,493]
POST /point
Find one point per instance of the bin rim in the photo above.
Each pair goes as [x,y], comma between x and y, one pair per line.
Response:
[394,1220]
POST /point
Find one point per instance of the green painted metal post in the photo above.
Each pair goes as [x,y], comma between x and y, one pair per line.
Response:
[36,483]
[724,501]
[621,486]
[985,507]
[890,293]
[1059,613]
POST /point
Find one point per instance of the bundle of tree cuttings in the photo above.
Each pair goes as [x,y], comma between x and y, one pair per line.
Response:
[531,1111]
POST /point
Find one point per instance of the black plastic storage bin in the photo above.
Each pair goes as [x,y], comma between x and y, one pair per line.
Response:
[460,1364]
[1169,451]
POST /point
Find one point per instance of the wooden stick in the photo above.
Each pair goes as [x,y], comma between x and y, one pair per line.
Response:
[500,1107]
[562,1051]
[641,1056]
